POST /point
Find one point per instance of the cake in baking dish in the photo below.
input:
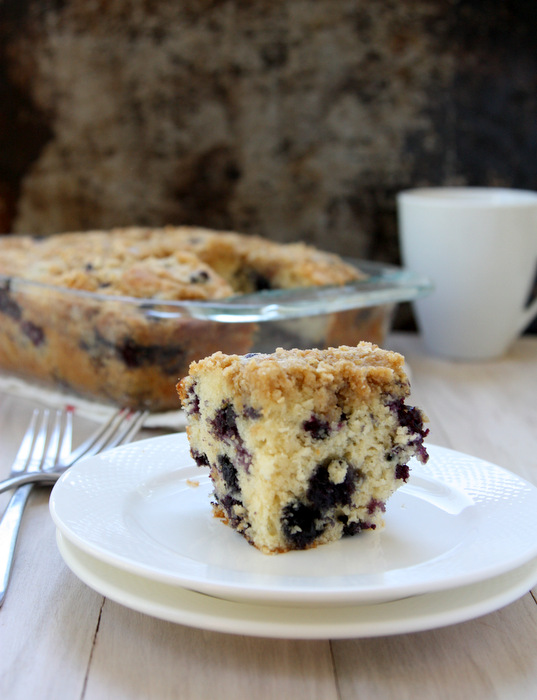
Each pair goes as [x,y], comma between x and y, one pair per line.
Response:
[304,446]
[94,312]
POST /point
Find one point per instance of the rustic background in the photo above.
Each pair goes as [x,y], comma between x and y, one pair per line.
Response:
[293,119]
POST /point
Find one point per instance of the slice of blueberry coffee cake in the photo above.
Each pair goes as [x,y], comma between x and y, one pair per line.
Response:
[304,446]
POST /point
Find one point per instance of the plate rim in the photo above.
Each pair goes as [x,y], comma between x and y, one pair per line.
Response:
[414,614]
[234,590]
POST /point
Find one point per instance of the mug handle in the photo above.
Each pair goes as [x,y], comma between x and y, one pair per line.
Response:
[528,315]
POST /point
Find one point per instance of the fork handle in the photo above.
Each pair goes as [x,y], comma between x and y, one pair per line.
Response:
[9,532]
[29,478]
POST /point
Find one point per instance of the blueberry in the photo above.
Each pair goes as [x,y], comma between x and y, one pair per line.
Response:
[402,471]
[244,458]
[225,423]
[251,413]
[229,473]
[34,332]
[192,401]
[299,524]
[224,426]
[228,503]
[342,420]
[410,417]
[199,277]
[324,495]
[374,505]
[318,428]
[352,529]
[8,305]
[169,357]
[133,354]
[259,281]
[200,458]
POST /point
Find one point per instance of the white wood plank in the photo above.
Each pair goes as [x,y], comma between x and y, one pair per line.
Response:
[48,619]
[138,657]
[492,657]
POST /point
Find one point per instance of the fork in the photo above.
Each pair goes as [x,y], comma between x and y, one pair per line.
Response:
[121,428]
[39,448]
[39,453]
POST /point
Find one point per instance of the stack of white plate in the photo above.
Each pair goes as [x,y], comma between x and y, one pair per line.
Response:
[136,525]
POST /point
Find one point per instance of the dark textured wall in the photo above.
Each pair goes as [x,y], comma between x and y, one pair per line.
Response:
[293,119]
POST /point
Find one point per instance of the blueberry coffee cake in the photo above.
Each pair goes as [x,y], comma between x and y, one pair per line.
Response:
[304,446]
[92,312]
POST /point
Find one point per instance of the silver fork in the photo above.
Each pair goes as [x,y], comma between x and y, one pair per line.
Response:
[121,428]
[41,447]
[39,454]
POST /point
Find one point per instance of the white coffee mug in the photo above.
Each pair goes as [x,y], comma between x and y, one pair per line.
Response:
[479,248]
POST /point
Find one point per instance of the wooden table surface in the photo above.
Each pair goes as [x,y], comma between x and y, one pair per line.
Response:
[59,639]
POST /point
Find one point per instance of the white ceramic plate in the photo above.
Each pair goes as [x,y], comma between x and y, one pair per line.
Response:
[415,614]
[145,508]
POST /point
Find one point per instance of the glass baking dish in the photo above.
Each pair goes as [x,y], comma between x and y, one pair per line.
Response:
[131,352]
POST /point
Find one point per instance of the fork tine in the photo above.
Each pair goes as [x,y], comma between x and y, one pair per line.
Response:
[88,447]
[59,442]
[125,433]
[64,451]
[137,424]
[121,428]
[123,425]
[38,452]
[25,450]
[11,520]
[53,443]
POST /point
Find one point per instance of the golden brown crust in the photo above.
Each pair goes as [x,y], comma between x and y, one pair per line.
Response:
[329,373]
[169,263]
